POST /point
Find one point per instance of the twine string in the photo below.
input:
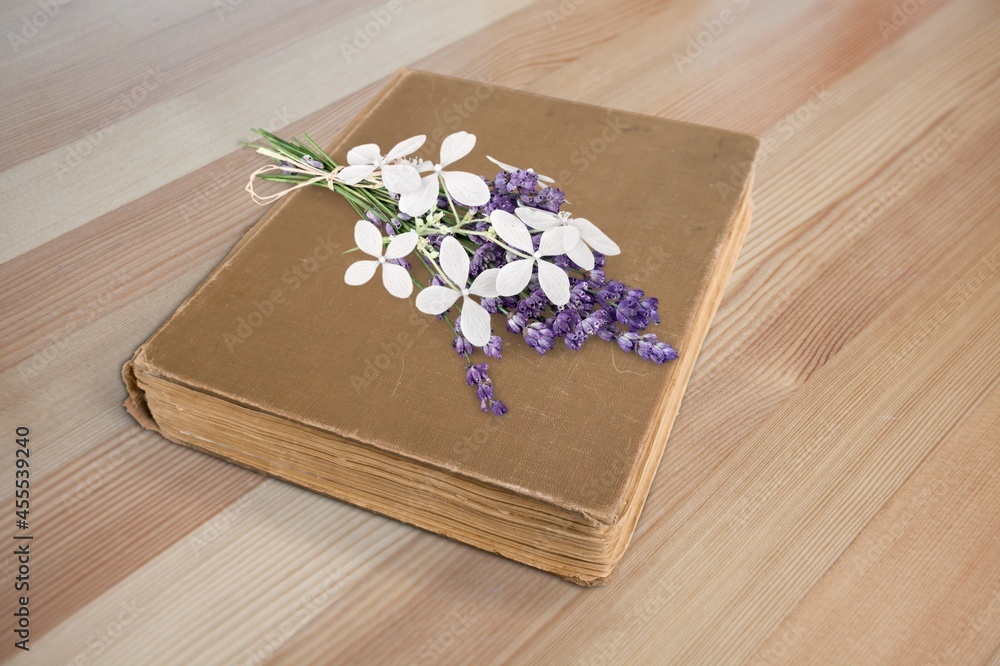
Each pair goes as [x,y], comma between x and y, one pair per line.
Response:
[296,166]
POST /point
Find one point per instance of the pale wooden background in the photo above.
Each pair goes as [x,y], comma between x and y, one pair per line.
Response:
[830,493]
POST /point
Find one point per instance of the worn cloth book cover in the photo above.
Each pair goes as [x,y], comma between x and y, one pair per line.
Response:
[274,340]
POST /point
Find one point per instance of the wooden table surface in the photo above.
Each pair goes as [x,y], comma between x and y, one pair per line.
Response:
[830,493]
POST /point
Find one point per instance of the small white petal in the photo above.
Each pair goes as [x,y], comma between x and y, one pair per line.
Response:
[510,169]
[511,230]
[594,237]
[456,146]
[537,219]
[401,245]
[364,154]
[360,272]
[485,284]
[423,166]
[502,165]
[558,241]
[397,280]
[554,282]
[400,178]
[581,255]
[419,202]
[368,238]
[475,322]
[353,175]
[466,188]
[514,277]
[405,147]
[434,299]
[454,261]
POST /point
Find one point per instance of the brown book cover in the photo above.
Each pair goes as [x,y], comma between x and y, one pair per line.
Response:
[275,333]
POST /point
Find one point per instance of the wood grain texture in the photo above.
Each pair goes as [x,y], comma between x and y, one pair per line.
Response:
[830,491]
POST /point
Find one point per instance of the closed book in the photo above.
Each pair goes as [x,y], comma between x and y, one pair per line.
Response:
[275,364]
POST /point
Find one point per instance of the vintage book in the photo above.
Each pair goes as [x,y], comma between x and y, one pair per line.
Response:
[274,363]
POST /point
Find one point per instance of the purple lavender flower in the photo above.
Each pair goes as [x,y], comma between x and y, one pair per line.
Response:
[565,322]
[607,333]
[662,352]
[522,180]
[651,349]
[550,199]
[486,256]
[463,346]
[650,306]
[516,322]
[594,322]
[475,374]
[313,162]
[494,347]
[575,340]
[400,262]
[612,291]
[633,313]
[491,305]
[539,336]
[628,341]
[499,202]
